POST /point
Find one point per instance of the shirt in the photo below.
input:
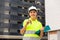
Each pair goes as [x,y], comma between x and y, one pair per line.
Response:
[33,26]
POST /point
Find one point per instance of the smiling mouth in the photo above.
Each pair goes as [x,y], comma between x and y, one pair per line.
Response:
[33,15]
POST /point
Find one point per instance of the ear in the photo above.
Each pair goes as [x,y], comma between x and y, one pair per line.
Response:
[29,14]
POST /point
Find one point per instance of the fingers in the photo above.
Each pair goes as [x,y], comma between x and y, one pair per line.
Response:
[29,21]
[42,28]
[22,31]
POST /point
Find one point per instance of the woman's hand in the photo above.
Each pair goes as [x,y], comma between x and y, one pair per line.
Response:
[22,31]
[29,21]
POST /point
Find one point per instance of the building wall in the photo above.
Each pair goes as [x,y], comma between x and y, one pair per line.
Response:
[13,13]
[52,13]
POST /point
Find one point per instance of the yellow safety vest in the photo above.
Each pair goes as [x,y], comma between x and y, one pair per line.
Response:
[34,26]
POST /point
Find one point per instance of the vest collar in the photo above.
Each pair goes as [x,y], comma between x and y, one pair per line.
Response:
[32,20]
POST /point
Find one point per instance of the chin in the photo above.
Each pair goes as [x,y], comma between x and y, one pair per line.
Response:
[33,17]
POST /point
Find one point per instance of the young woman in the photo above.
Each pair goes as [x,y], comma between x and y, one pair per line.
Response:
[31,25]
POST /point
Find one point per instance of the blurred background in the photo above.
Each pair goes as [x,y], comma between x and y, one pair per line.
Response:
[13,13]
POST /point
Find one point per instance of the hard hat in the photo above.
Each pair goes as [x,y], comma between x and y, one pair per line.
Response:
[32,7]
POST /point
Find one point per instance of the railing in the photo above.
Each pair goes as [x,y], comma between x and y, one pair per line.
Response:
[17,37]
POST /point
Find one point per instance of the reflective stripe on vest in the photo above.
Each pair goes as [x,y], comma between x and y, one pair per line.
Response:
[30,34]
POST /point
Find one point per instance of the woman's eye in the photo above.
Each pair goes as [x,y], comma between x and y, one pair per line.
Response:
[33,12]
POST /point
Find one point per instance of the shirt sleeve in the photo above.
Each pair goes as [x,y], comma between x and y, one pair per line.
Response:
[24,22]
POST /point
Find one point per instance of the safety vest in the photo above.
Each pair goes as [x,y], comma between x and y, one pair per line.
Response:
[32,27]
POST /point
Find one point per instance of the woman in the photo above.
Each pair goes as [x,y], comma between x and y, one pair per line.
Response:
[31,25]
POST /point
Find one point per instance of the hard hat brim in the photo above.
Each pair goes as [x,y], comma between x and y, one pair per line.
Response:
[32,9]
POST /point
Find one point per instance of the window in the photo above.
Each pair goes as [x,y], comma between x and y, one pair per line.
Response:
[13,13]
[19,22]
[39,10]
[7,4]
[32,1]
[13,5]
[38,3]
[6,12]
[25,7]
[43,18]
[39,17]
[25,15]
[1,20]
[5,29]
[19,7]
[25,0]
[6,20]
[20,0]
[22,7]
[19,14]
[13,21]
[22,15]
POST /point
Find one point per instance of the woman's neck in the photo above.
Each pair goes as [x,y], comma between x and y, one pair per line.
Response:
[33,19]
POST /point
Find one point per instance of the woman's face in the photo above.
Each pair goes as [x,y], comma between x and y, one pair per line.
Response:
[33,14]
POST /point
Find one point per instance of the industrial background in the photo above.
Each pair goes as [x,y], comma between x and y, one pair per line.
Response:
[13,13]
